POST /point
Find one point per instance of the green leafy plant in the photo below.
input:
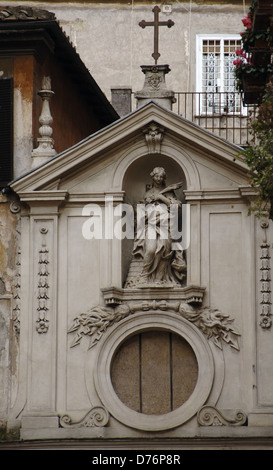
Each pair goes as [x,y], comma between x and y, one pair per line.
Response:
[259,156]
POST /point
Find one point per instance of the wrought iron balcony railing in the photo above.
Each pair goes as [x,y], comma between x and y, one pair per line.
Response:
[222,113]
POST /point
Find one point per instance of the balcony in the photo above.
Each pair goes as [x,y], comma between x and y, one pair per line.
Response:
[222,113]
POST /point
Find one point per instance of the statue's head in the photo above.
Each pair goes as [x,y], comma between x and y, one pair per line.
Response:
[159,175]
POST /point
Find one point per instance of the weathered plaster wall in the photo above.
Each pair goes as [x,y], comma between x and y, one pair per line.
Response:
[23,98]
[113,46]
[8,344]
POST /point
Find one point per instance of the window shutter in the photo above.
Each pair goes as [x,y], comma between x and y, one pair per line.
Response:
[6,131]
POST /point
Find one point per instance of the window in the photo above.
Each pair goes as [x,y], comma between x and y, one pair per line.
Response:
[216,82]
[154,372]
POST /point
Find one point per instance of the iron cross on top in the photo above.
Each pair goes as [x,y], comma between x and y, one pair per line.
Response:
[156,23]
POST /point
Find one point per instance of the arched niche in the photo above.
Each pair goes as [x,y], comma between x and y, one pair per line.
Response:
[136,182]
[137,176]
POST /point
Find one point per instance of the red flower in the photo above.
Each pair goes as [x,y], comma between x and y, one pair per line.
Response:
[237,62]
[247,22]
[240,52]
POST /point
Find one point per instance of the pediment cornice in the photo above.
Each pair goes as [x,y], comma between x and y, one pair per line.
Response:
[123,133]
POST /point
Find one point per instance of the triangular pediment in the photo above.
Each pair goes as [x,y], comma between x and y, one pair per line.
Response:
[90,156]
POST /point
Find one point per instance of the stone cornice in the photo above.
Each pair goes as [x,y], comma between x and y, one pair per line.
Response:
[43,196]
[219,194]
[122,131]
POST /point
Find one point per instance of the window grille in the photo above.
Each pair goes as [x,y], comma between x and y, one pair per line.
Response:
[218,82]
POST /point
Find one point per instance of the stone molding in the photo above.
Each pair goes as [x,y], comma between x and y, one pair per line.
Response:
[126,128]
[189,294]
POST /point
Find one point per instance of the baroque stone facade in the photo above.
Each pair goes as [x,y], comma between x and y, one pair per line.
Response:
[87,334]
[111,335]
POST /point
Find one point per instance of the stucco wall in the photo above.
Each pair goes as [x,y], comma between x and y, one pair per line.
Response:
[113,46]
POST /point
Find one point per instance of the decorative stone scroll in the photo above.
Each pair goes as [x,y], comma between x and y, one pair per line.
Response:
[15,207]
[96,417]
[43,286]
[210,416]
[214,324]
[265,280]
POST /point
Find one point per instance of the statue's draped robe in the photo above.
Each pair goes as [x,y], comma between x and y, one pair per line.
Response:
[161,263]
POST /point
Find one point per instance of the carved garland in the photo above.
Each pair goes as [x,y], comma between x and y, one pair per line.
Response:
[43,286]
[16,310]
[211,322]
[265,321]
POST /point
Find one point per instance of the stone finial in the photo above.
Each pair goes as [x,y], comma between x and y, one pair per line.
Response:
[45,148]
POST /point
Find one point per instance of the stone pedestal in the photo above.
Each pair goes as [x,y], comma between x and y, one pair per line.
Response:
[155,86]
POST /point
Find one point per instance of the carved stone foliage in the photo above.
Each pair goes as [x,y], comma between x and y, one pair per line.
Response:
[210,416]
[43,286]
[214,324]
[96,417]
